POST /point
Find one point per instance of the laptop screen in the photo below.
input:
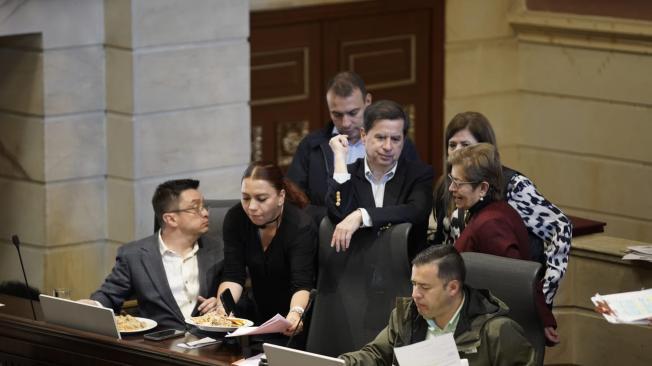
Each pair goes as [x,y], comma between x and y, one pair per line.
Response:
[79,316]
[282,356]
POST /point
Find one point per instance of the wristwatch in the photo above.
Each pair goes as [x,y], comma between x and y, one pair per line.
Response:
[297,309]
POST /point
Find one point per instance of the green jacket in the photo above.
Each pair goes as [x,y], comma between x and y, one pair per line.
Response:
[484,334]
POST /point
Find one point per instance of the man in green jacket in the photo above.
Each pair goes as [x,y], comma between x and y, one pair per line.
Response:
[441,303]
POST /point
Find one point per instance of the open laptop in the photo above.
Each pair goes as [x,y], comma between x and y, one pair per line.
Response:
[79,316]
[282,356]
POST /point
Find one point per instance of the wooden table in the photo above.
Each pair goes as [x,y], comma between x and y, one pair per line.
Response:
[24,341]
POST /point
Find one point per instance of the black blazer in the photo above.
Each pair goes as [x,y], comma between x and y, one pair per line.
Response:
[312,165]
[139,273]
[408,198]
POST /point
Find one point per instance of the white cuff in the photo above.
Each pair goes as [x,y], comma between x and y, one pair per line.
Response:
[366,219]
[341,177]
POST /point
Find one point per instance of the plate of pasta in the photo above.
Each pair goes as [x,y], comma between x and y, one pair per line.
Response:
[214,322]
[133,324]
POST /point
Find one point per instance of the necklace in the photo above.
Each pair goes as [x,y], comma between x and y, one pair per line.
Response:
[275,220]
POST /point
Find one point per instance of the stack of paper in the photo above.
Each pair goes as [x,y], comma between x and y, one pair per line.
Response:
[639,252]
[628,307]
[276,324]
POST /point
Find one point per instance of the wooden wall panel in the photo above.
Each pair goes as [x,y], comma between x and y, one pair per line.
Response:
[392,54]
[397,48]
[285,88]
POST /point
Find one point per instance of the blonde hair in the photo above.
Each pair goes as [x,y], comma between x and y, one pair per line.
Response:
[481,163]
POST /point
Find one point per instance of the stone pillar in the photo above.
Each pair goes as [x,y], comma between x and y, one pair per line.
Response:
[177,77]
[100,101]
[52,145]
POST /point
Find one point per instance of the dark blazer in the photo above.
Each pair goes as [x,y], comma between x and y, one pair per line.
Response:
[139,273]
[312,165]
[408,198]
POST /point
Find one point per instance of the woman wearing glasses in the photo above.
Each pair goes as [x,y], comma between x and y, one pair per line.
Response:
[491,225]
[271,238]
[549,229]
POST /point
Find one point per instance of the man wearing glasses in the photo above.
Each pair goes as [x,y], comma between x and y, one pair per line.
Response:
[175,272]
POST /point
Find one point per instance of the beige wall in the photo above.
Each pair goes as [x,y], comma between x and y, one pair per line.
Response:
[570,98]
[99,103]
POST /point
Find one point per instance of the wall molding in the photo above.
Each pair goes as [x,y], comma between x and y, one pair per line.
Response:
[584,31]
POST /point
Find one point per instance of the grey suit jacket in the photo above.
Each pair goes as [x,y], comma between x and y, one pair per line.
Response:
[139,273]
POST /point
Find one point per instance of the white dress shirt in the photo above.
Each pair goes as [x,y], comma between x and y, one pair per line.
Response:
[377,188]
[183,276]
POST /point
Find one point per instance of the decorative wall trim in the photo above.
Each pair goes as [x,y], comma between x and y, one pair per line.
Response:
[594,32]
[277,66]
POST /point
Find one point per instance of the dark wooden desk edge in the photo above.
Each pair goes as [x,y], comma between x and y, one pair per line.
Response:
[582,226]
[17,329]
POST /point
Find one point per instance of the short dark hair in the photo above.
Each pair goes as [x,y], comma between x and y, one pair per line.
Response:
[166,196]
[385,109]
[448,260]
[345,83]
[475,122]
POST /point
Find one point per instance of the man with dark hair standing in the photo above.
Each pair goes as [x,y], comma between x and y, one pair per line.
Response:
[175,272]
[383,187]
[312,164]
[442,303]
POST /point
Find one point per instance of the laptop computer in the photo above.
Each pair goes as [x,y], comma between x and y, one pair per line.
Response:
[79,316]
[283,356]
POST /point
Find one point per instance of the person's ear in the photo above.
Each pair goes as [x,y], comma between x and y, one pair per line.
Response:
[453,287]
[170,219]
[367,99]
[281,197]
[484,188]
[363,135]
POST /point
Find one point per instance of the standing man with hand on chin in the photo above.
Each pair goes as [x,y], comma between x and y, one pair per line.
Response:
[174,273]
[382,188]
[312,165]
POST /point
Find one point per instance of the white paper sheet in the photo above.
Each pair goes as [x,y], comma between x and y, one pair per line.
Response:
[251,361]
[627,307]
[206,341]
[276,324]
[437,351]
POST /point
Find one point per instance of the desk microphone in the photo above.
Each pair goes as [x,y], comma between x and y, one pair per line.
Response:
[311,298]
[16,241]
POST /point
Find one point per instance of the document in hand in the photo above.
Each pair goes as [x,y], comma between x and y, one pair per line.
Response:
[276,324]
[628,307]
[440,351]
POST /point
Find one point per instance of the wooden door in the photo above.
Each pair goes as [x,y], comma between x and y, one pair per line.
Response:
[397,48]
[285,87]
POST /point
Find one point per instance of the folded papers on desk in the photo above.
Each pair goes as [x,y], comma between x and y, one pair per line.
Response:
[206,341]
[639,252]
[277,324]
[627,307]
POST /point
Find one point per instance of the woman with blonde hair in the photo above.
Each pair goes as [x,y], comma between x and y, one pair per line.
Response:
[491,225]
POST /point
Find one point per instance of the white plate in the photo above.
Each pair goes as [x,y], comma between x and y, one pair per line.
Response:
[149,324]
[210,328]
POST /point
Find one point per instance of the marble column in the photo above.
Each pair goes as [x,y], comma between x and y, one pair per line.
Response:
[100,101]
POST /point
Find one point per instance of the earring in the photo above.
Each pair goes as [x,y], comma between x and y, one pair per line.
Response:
[481,198]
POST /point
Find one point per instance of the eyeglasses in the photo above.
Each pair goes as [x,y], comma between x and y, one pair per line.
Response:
[457,183]
[195,209]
